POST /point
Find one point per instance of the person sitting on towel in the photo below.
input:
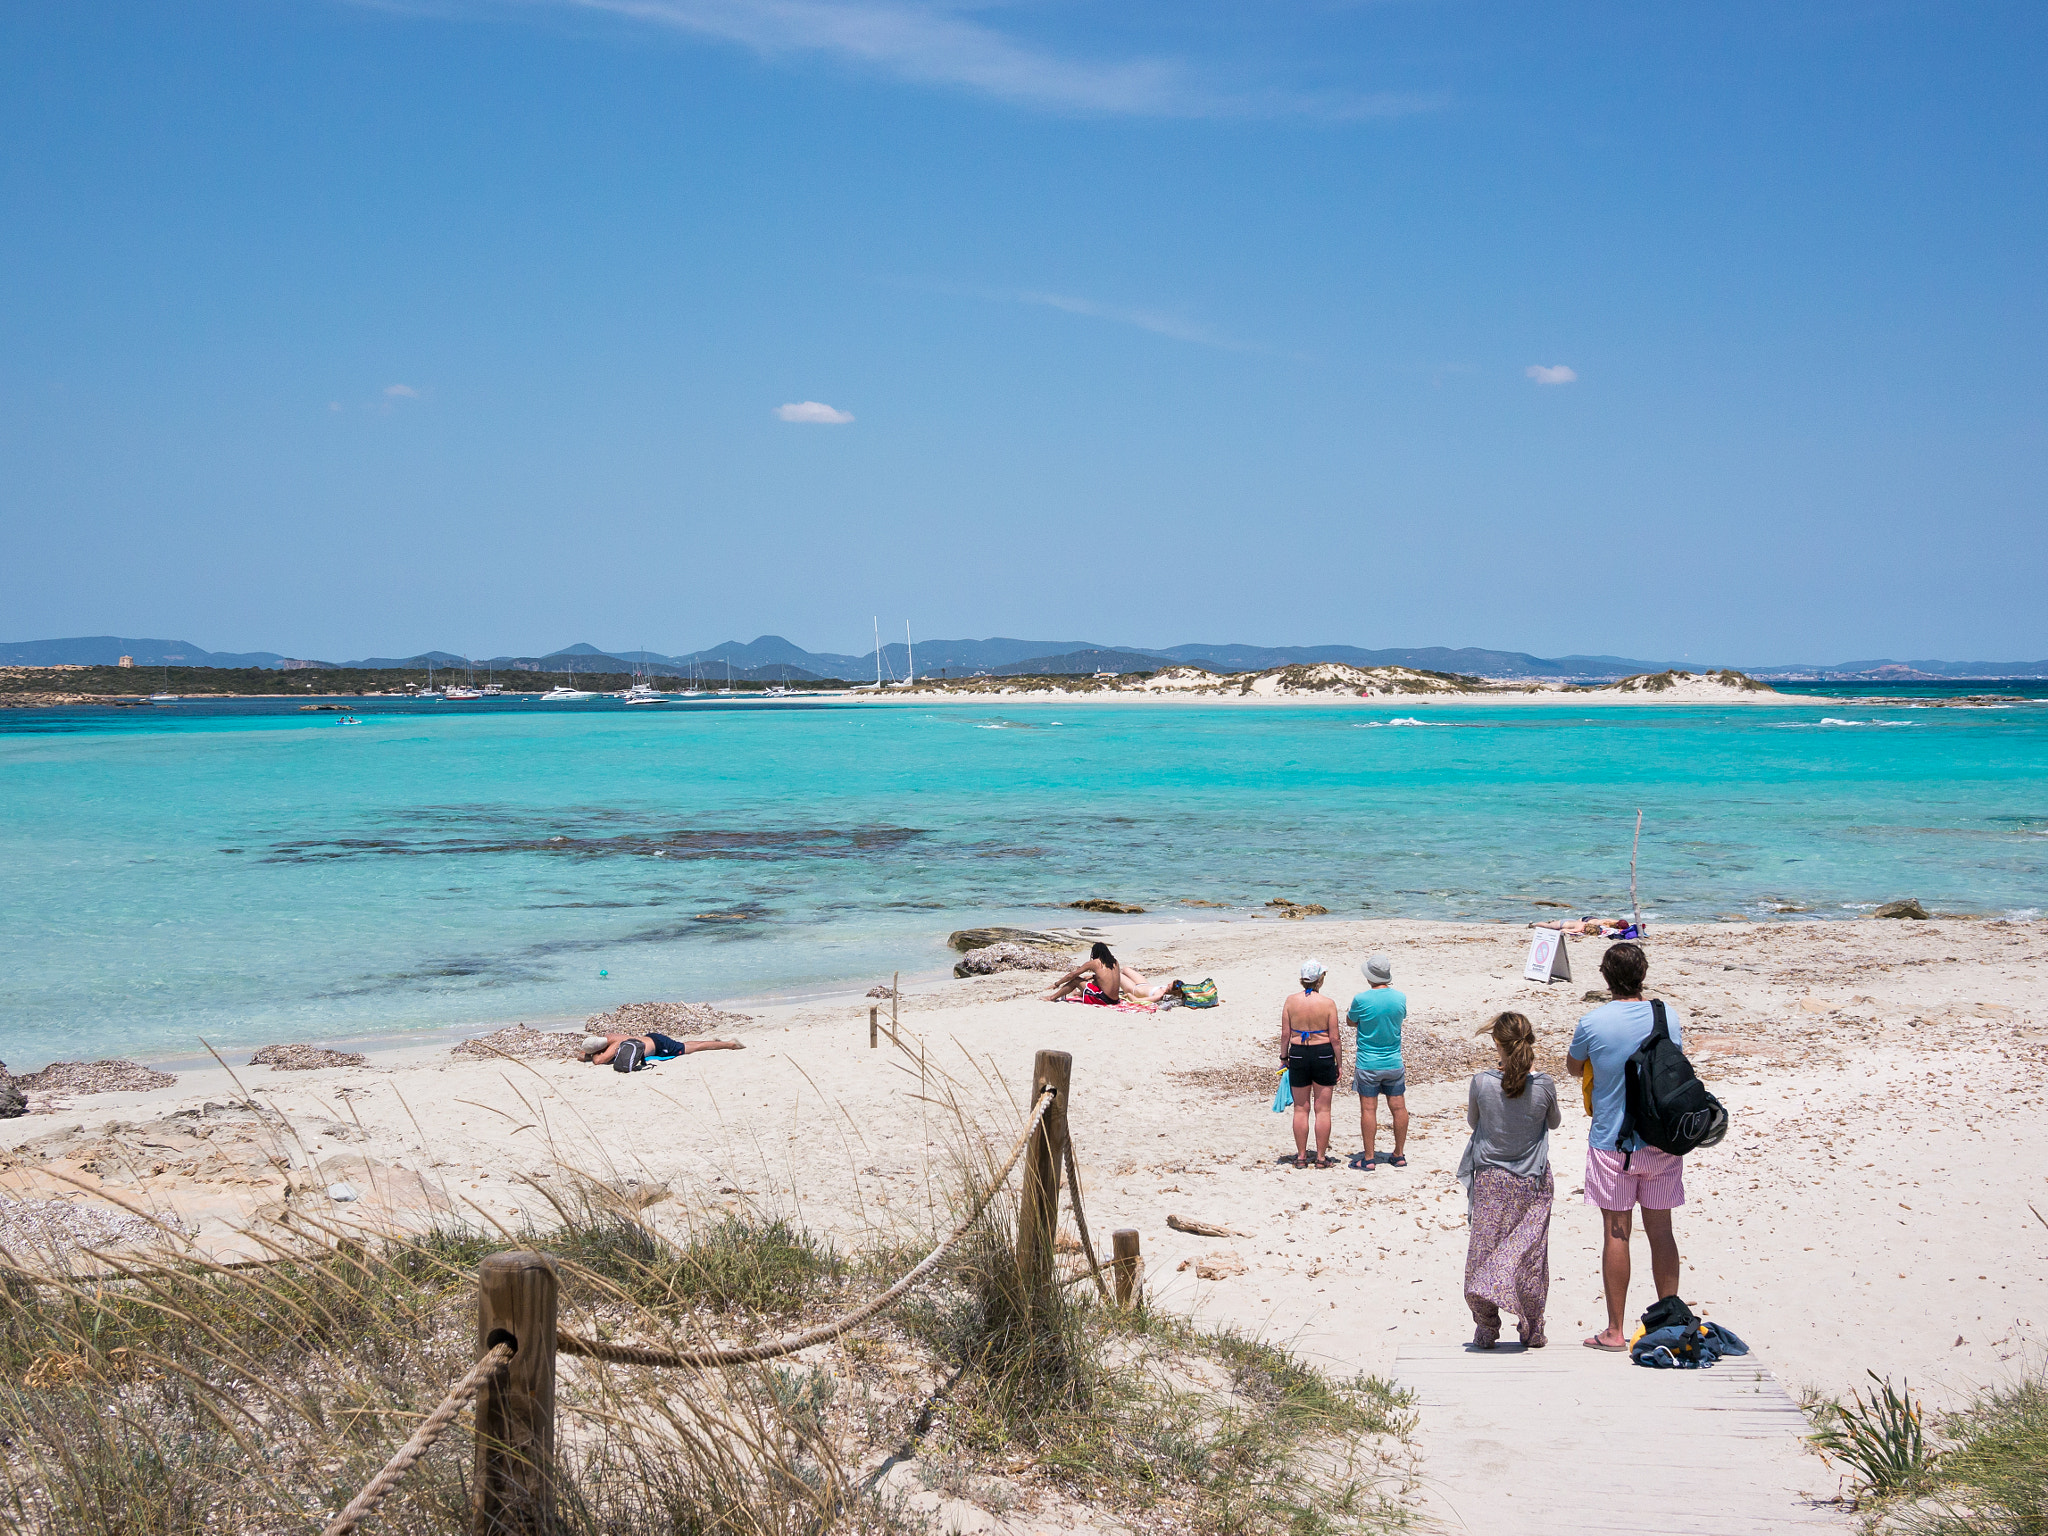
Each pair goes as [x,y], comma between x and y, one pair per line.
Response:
[1099,978]
[600,1049]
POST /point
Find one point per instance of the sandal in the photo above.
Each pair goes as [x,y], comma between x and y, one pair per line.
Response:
[1326,1162]
[1397,1161]
[1300,1160]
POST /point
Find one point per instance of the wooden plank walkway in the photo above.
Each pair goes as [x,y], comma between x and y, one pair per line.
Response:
[1565,1440]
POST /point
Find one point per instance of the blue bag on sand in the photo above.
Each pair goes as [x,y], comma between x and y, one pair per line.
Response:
[1283,1096]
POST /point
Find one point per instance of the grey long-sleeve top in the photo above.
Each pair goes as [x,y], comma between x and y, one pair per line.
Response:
[1510,1134]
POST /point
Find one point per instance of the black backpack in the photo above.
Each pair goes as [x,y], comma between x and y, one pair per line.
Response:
[631,1057]
[1668,1106]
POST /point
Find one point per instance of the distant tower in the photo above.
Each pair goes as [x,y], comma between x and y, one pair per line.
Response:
[125,661]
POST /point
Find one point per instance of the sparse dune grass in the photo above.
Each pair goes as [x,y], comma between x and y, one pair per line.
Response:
[167,1395]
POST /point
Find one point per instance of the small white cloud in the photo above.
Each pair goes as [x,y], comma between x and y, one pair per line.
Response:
[815,412]
[1558,374]
[401,392]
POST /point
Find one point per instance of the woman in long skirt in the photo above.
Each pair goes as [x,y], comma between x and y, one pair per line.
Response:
[1506,1174]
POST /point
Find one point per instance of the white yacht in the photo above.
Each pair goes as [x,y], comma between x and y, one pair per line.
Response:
[559,694]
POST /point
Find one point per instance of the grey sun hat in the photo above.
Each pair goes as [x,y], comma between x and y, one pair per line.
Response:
[1380,968]
[592,1044]
[1311,970]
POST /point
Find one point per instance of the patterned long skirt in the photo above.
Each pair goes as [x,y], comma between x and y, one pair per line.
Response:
[1507,1268]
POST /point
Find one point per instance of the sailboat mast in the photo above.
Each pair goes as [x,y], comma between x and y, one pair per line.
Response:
[878,651]
[909,657]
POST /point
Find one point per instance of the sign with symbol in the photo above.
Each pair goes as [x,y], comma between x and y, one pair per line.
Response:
[1548,960]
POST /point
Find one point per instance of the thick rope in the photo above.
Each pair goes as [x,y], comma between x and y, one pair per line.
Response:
[1081,1220]
[421,1442]
[632,1354]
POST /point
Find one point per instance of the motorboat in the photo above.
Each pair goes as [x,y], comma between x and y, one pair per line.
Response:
[558,695]
[459,692]
[640,693]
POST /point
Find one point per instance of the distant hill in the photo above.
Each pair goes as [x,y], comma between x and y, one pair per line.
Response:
[107,651]
[1077,663]
[774,658]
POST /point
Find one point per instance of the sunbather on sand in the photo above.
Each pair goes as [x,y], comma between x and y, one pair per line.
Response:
[1099,978]
[655,1043]
[1594,927]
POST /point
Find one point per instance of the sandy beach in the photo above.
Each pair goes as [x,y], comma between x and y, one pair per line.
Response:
[1870,1208]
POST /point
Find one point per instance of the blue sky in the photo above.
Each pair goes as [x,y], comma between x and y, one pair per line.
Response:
[342,328]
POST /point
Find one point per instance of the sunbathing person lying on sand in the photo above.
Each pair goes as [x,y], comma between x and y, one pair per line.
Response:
[599,1050]
[1099,978]
[1595,927]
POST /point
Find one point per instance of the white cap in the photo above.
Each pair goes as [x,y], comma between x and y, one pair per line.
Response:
[592,1044]
[1311,969]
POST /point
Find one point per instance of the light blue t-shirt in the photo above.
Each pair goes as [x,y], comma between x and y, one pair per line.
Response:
[1607,1037]
[1377,1016]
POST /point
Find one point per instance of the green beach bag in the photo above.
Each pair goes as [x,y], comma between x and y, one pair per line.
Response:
[1199,994]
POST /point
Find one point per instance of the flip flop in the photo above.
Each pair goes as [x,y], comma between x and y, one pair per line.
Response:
[1605,1349]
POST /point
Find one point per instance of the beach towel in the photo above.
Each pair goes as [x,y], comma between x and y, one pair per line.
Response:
[1283,1096]
[1507,1262]
[1098,1002]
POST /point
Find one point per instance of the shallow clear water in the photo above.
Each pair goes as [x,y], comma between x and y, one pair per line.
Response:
[246,872]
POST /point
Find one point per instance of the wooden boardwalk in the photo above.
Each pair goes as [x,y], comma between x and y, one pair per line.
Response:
[1565,1440]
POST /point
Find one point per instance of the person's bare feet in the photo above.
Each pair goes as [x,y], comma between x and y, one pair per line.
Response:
[1608,1339]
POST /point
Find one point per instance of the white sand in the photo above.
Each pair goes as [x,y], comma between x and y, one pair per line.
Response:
[1869,1209]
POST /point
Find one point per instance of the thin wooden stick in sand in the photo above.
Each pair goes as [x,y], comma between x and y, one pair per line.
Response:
[1635,911]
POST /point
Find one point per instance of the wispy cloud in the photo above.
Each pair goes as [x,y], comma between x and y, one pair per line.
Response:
[946,43]
[1556,373]
[400,392]
[1144,319]
[815,412]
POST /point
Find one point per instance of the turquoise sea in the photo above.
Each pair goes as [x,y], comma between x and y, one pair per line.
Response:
[246,872]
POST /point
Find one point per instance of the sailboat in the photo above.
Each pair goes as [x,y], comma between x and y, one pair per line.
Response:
[909,660]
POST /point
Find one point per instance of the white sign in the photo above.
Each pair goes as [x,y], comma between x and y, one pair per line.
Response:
[1548,960]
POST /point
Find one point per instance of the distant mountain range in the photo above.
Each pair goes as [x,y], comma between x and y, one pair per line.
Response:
[770,657]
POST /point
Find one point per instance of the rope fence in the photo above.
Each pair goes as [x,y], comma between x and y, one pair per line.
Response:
[422,1441]
[630,1354]
[514,1387]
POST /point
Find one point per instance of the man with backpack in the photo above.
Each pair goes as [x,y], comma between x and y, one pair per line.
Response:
[1622,1169]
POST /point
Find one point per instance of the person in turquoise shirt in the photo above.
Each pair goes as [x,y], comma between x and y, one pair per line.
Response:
[1377,1015]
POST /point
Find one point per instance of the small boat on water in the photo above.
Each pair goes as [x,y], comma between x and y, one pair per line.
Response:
[640,693]
[559,694]
[459,692]
[348,720]
[163,698]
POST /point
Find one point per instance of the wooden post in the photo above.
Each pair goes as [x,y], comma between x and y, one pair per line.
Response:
[1038,1213]
[1125,1264]
[515,1413]
[895,991]
[874,1025]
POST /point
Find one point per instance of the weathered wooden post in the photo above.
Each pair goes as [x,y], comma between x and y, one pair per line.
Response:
[1125,1264]
[1038,1213]
[515,1413]
[874,1025]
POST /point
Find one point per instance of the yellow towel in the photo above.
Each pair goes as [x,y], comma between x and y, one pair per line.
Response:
[1586,1088]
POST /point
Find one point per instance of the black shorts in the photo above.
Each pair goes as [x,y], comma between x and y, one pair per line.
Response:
[664,1045]
[1312,1065]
